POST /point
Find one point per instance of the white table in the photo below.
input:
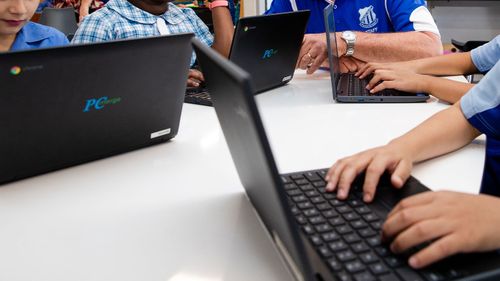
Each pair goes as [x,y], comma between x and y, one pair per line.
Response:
[177,211]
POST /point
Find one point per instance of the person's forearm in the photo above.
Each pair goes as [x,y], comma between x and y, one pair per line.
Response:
[399,46]
[445,89]
[442,133]
[452,64]
[224,29]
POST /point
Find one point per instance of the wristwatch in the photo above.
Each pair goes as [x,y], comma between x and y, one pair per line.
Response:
[350,39]
[217,3]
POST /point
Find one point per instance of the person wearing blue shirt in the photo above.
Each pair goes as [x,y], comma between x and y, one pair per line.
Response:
[380,31]
[121,19]
[452,222]
[17,32]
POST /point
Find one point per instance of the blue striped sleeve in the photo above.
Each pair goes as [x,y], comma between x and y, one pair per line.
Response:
[486,56]
[481,105]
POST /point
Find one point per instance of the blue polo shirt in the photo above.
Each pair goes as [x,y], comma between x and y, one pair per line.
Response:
[34,35]
[481,107]
[364,15]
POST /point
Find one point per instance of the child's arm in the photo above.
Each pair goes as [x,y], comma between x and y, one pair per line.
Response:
[453,64]
[444,132]
[224,29]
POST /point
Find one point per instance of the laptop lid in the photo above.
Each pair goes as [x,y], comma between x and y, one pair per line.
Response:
[232,95]
[267,47]
[68,105]
[339,85]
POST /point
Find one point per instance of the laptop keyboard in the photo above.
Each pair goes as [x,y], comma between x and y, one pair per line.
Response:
[357,87]
[198,96]
[347,233]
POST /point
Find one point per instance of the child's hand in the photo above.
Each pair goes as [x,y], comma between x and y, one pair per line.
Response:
[195,77]
[402,80]
[394,158]
[371,67]
[456,222]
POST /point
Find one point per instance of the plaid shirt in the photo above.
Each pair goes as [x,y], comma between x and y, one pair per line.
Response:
[120,20]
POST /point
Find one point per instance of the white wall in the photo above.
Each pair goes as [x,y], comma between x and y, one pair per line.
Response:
[467,23]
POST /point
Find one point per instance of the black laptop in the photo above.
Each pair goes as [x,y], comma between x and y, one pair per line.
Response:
[265,46]
[64,106]
[320,237]
[346,87]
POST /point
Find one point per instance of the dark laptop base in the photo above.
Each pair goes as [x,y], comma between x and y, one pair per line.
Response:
[349,87]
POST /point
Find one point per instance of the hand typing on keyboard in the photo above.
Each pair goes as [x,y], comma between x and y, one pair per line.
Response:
[195,78]
[455,222]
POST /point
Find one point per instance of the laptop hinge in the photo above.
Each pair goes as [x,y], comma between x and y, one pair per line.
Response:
[289,260]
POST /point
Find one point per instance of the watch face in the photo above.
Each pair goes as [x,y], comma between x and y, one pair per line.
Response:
[349,35]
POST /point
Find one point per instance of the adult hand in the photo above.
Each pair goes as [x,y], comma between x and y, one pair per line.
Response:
[394,158]
[371,67]
[312,53]
[195,77]
[350,64]
[455,222]
[402,80]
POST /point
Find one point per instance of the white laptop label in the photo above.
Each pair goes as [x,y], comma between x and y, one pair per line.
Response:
[160,133]
[286,78]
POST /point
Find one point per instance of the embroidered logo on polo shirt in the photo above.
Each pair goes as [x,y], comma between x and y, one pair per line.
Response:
[367,17]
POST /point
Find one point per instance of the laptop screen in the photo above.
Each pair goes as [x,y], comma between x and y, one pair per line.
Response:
[331,41]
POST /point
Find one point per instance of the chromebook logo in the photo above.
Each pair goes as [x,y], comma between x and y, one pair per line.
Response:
[15,70]
[99,103]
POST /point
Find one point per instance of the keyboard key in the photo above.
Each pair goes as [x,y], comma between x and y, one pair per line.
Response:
[363,210]
[325,252]
[299,198]
[354,266]
[355,203]
[377,225]
[305,205]
[388,277]
[316,220]
[352,238]
[308,229]
[297,177]
[301,219]
[393,261]
[343,276]
[346,256]
[290,185]
[323,206]
[334,264]
[343,229]
[317,200]
[336,221]
[319,184]
[382,251]
[370,217]
[330,195]
[350,216]
[374,241]
[316,240]
[360,247]
[301,181]
[306,187]
[323,227]
[322,173]
[378,268]
[295,210]
[343,209]
[330,236]
[369,257]
[329,214]
[294,192]
[285,179]
[433,276]
[365,276]
[357,224]
[338,246]
[408,274]
[310,212]
[366,232]
[336,203]
[312,193]
[312,176]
